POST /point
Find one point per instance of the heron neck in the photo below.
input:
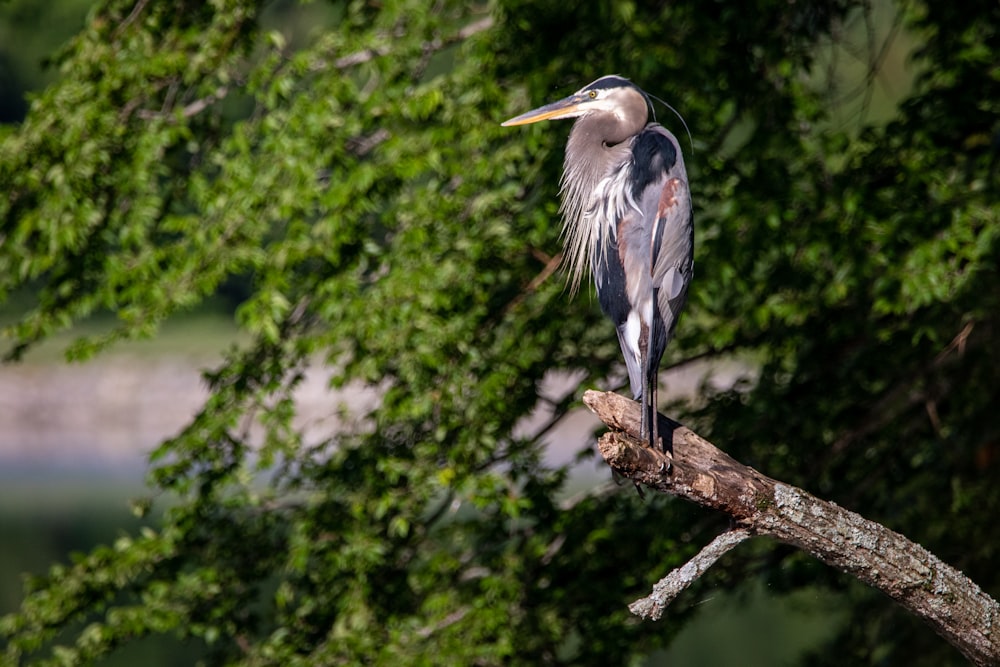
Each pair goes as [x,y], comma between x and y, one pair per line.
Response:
[591,155]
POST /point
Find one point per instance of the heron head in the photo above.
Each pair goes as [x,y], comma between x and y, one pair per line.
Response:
[609,94]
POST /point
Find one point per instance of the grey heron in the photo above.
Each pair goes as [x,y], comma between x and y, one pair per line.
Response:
[627,214]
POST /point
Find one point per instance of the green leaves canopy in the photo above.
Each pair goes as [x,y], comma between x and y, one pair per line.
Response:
[392,232]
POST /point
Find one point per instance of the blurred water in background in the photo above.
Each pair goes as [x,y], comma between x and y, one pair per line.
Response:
[105,416]
[99,417]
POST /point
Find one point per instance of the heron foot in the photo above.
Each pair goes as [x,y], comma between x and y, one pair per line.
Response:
[619,480]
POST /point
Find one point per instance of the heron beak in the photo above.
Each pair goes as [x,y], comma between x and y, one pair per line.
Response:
[569,107]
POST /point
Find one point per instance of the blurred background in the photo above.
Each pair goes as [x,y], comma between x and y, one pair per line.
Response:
[75,437]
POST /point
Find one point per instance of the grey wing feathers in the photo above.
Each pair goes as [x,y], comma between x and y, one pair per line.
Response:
[673,263]
[631,364]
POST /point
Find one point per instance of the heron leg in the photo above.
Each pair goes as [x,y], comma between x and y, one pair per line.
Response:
[648,427]
[654,431]
[649,409]
[643,395]
[644,413]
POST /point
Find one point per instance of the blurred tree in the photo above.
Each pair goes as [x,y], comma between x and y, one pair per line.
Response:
[396,234]
[29,33]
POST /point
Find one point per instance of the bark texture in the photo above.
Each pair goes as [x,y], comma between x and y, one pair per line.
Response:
[696,470]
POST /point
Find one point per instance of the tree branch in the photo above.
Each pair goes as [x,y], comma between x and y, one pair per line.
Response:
[192,109]
[668,588]
[359,57]
[697,471]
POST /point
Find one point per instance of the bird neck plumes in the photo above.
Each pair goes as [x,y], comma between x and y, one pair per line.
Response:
[598,146]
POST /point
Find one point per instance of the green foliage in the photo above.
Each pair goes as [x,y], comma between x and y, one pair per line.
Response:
[395,235]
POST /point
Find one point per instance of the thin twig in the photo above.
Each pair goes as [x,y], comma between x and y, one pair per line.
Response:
[894,401]
[535,282]
[666,589]
[448,620]
[139,6]
[192,109]
[366,55]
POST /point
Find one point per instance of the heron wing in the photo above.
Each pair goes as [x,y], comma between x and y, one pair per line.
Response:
[611,282]
[628,341]
[672,240]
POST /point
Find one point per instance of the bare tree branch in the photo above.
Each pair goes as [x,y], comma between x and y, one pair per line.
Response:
[344,62]
[360,57]
[950,602]
[133,15]
[668,588]
[192,109]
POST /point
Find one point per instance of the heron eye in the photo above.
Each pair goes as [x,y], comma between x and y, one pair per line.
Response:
[593,94]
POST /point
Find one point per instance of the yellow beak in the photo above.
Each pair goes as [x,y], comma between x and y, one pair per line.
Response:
[568,107]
